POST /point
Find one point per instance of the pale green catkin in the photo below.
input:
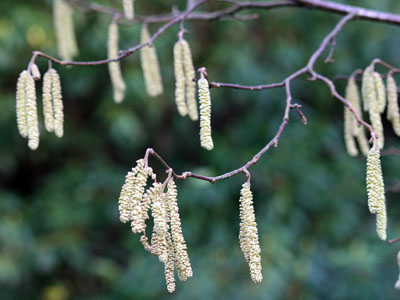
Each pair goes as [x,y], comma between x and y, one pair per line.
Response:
[350,123]
[380,91]
[370,96]
[205,115]
[248,235]
[180,81]
[353,96]
[114,67]
[48,111]
[190,81]
[35,72]
[64,29]
[393,107]
[128,6]
[367,86]
[397,284]
[58,106]
[31,114]
[21,104]
[376,192]
[150,65]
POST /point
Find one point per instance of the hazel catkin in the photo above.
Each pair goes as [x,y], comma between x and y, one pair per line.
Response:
[205,115]
[393,106]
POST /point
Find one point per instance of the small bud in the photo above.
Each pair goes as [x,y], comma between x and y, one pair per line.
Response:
[35,72]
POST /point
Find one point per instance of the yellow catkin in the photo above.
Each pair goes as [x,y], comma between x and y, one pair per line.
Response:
[183,265]
[380,91]
[64,29]
[58,106]
[31,114]
[376,191]
[393,106]
[169,268]
[47,103]
[367,86]
[397,284]
[348,137]
[248,235]
[150,65]
[370,96]
[128,6]
[190,81]
[35,72]
[180,81]
[205,115]
[21,104]
[114,67]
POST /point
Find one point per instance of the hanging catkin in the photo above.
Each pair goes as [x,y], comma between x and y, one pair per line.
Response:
[190,81]
[128,6]
[370,98]
[27,119]
[183,265]
[21,104]
[114,67]
[248,235]
[64,29]
[205,115]
[150,65]
[380,91]
[48,110]
[376,191]
[393,107]
[169,267]
[180,80]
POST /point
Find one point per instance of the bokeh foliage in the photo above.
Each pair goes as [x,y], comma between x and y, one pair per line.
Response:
[60,237]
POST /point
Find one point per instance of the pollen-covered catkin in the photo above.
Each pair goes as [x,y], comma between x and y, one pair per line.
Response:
[397,284]
[180,81]
[128,6]
[169,268]
[393,106]
[380,91]
[248,235]
[190,81]
[150,65]
[183,265]
[376,191]
[21,104]
[47,99]
[205,115]
[114,67]
[35,72]
[58,106]
[31,114]
[64,29]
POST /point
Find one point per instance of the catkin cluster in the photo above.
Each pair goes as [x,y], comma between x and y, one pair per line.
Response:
[150,65]
[114,67]
[129,9]
[26,106]
[185,84]
[351,129]
[64,29]
[376,192]
[248,234]
[205,115]
[167,241]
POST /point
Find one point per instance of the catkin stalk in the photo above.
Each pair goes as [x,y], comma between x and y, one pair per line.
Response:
[114,67]
[190,81]
[376,191]
[205,115]
[64,29]
[393,106]
[150,65]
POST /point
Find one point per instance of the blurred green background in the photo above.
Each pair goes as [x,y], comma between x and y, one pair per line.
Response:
[60,235]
